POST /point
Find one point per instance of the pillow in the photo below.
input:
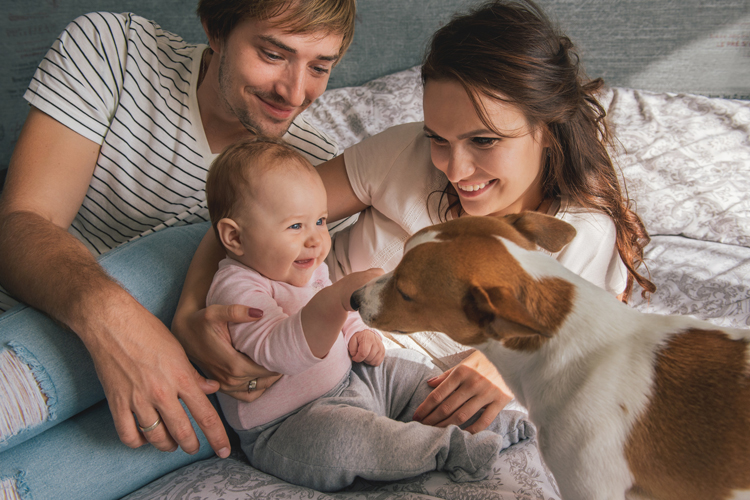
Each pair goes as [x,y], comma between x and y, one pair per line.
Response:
[350,114]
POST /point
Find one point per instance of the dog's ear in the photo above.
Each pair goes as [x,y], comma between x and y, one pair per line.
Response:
[500,314]
[546,231]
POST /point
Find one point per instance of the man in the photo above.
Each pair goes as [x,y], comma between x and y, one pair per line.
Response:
[124,123]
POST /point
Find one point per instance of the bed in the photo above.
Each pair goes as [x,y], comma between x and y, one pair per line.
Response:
[678,103]
[685,160]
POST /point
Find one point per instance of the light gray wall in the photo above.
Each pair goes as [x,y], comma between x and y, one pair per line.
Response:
[698,46]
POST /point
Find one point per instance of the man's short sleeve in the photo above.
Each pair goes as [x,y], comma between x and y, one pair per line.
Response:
[79,81]
[314,144]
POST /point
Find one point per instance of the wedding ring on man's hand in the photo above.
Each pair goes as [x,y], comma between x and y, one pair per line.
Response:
[151,427]
[252,385]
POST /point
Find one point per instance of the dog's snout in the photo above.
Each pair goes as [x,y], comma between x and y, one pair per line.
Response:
[356,299]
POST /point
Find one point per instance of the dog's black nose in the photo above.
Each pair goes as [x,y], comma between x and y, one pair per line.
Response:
[356,299]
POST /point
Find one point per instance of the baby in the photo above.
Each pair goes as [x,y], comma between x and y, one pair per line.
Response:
[327,420]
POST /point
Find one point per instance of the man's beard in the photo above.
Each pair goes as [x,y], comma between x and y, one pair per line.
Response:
[255,124]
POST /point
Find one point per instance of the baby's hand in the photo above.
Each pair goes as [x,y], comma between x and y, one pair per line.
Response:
[351,282]
[367,346]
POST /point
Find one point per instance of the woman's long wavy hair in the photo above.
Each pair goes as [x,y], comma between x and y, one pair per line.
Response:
[510,51]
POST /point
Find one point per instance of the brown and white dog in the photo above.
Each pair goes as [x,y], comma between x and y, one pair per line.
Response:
[627,405]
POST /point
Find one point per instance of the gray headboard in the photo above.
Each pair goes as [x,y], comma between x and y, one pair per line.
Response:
[696,46]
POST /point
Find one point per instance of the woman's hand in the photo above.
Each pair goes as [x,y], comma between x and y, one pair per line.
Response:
[462,391]
[205,337]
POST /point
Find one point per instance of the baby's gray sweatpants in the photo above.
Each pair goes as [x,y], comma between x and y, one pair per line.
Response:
[363,427]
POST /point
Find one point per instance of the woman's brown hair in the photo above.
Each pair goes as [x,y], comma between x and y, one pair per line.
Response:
[510,51]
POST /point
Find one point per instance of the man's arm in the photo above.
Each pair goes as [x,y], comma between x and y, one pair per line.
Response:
[143,369]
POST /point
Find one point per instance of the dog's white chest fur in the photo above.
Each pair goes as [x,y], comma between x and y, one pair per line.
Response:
[584,394]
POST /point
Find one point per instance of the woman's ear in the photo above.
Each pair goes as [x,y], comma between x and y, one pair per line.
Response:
[230,235]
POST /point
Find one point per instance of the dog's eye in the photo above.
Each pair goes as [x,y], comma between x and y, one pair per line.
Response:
[404,296]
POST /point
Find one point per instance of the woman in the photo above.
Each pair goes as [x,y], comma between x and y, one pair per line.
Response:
[510,125]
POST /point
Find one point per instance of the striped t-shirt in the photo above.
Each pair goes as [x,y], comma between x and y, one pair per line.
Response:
[123,82]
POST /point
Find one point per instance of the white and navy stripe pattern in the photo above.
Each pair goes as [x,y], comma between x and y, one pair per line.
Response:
[123,82]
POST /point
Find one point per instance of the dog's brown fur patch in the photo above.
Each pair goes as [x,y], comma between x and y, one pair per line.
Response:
[550,301]
[693,441]
[476,308]
[527,230]
[536,228]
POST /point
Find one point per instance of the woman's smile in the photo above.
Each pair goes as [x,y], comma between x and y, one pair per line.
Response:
[471,190]
[493,162]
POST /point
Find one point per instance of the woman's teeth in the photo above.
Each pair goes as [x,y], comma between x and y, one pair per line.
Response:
[473,187]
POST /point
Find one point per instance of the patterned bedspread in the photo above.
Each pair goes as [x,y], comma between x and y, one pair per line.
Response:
[685,161]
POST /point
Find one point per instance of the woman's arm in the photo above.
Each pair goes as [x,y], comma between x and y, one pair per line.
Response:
[204,331]
[342,202]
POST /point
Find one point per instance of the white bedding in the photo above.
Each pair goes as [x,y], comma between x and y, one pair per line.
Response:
[686,164]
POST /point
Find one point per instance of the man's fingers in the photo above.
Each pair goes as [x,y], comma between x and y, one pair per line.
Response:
[158,435]
[208,420]
[126,426]
[175,430]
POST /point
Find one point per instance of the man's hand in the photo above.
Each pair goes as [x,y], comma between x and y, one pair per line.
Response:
[145,373]
[205,337]
[367,346]
[143,369]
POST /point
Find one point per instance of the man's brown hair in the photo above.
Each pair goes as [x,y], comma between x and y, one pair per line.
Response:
[296,16]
